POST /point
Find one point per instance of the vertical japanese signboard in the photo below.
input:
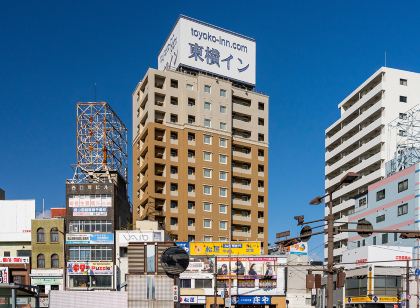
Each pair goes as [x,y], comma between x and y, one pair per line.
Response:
[208,48]
[4,275]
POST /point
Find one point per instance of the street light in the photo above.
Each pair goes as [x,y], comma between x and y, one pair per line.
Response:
[349,178]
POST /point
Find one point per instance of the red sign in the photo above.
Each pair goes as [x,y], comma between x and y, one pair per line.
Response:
[14,260]
[402,258]
[361,261]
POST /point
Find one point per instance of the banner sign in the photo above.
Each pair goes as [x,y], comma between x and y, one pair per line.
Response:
[299,249]
[186,299]
[251,300]
[198,45]
[95,238]
[46,281]
[90,201]
[24,260]
[184,245]
[4,275]
[90,268]
[90,211]
[225,249]
[139,236]
[246,267]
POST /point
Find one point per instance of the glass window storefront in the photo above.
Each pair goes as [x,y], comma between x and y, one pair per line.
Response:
[91,281]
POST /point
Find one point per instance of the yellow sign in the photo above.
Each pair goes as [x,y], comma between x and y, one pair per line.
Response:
[225,249]
[387,299]
[372,299]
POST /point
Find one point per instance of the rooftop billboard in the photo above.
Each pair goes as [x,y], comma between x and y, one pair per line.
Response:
[208,48]
[15,220]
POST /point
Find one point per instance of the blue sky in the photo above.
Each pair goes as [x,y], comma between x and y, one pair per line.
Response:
[310,55]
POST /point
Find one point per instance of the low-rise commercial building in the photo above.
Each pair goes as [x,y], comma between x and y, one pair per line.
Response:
[48,257]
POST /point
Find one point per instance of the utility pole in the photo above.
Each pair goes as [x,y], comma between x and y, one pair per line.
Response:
[330,247]
[407,285]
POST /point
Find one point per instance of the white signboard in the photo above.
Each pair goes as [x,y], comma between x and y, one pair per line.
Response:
[4,275]
[15,220]
[208,48]
[138,236]
[24,260]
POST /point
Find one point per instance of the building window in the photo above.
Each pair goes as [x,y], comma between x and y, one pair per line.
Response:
[207,106]
[223,175]
[207,139]
[363,201]
[222,109]
[207,123]
[191,222]
[191,188]
[191,238]
[223,209]
[402,116]
[208,238]
[191,137]
[191,171]
[186,283]
[191,102]
[174,170]
[40,261]
[150,258]
[174,83]
[222,239]
[223,92]
[358,243]
[207,223]
[87,253]
[403,185]
[174,100]
[191,119]
[207,207]
[380,195]
[374,240]
[190,87]
[55,261]
[380,218]
[395,237]
[174,221]
[40,235]
[384,238]
[207,88]
[174,204]
[207,156]
[207,173]
[223,192]
[223,142]
[191,154]
[260,106]
[223,225]
[223,126]
[174,118]
[191,205]
[207,190]
[260,137]
[403,82]
[223,159]
[54,235]
[261,121]
[403,99]
[174,187]
[6,254]
[403,209]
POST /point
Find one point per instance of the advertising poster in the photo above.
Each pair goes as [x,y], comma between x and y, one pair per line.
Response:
[99,238]
[224,248]
[299,249]
[201,264]
[4,275]
[90,268]
[90,201]
[90,211]
[246,267]
[24,260]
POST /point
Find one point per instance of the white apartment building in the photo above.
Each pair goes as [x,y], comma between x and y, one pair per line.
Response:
[360,140]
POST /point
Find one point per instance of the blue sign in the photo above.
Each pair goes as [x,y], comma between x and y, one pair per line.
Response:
[184,245]
[96,238]
[417,272]
[252,300]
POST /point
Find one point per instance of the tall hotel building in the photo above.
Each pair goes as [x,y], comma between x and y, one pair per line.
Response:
[200,138]
[361,140]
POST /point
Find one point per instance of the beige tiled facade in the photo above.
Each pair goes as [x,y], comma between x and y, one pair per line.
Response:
[200,151]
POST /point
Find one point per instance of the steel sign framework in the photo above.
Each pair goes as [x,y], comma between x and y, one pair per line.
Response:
[101,143]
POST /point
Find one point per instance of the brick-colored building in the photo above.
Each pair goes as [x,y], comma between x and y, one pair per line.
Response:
[48,257]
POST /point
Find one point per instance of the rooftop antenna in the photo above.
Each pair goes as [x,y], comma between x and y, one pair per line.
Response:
[43,208]
[385,58]
[94,89]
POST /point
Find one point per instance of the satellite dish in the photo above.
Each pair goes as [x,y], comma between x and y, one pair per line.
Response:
[174,260]
[366,226]
[305,233]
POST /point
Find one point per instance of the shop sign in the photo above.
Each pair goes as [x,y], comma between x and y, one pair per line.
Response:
[246,267]
[4,275]
[134,236]
[46,281]
[96,238]
[267,284]
[191,299]
[251,300]
[299,249]
[225,249]
[90,201]
[24,260]
[90,268]
[195,266]
[184,245]
[90,211]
